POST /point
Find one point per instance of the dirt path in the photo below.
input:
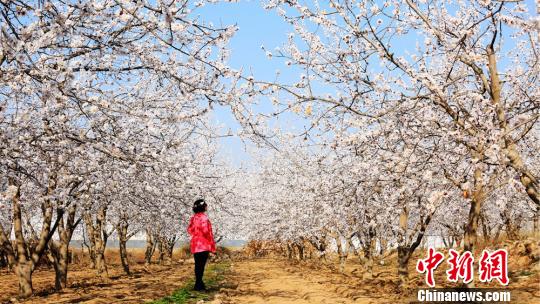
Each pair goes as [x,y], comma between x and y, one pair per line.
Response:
[279,281]
[274,281]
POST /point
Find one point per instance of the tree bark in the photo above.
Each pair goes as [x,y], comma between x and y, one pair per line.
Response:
[319,243]
[369,247]
[59,257]
[162,245]
[470,237]
[406,245]
[59,251]
[24,275]
[150,247]
[98,236]
[3,259]
[122,230]
[404,254]
[403,249]
[351,245]
[22,255]
[300,248]
[383,245]
[536,221]
[342,252]
[477,198]
[289,251]
[90,247]
[170,248]
[526,177]
[166,248]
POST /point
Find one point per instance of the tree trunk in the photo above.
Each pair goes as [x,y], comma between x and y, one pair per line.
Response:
[526,177]
[343,252]
[3,259]
[122,230]
[166,248]
[90,247]
[536,221]
[24,275]
[4,248]
[124,257]
[404,256]
[59,251]
[300,248]
[162,250]
[320,245]
[22,255]
[403,249]
[61,268]
[289,251]
[406,245]
[340,253]
[150,247]
[342,261]
[477,198]
[170,248]
[369,246]
[351,246]
[511,229]
[486,235]
[98,239]
[101,266]
[90,234]
[470,237]
[383,245]
[449,241]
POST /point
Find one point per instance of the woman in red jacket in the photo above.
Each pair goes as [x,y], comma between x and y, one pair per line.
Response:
[202,240]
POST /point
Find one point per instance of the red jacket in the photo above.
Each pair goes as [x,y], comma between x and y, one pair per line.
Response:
[200,229]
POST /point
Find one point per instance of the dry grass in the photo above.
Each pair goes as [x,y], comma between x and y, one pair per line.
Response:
[145,284]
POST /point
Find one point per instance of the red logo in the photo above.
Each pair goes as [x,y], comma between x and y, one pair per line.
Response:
[491,266]
[494,266]
[429,264]
[460,266]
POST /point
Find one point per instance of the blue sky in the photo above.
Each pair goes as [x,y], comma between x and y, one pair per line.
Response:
[257,27]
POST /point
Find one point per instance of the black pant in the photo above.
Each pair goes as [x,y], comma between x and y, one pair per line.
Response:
[200,262]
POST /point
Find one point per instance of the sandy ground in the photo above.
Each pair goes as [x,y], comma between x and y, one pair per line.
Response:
[271,280]
[277,281]
[84,287]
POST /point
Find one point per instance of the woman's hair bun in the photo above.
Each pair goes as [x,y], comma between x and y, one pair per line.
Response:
[199,206]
